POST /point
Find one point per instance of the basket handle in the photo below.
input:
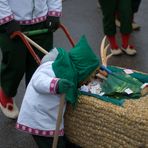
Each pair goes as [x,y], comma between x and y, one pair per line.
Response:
[35,44]
[103,51]
[27,41]
[42,31]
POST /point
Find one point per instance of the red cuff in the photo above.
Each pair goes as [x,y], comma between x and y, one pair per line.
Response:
[53,86]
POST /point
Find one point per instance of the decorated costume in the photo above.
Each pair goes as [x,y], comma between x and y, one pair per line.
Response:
[16,60]
[39,109]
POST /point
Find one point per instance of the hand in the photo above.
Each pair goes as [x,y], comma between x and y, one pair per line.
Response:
[64,86]
[52,23]
[12,27]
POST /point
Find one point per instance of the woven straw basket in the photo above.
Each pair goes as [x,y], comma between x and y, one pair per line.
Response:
[98,124]
[95,123]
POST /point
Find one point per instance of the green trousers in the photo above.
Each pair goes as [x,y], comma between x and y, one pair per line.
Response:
[46,142]
[16,59]
[135,5]
[109,9]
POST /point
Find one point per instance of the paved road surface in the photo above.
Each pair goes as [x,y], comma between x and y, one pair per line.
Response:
[81,17]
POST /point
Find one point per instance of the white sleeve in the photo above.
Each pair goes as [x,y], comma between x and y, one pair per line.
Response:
[44,82]
[54,7]
[6,14]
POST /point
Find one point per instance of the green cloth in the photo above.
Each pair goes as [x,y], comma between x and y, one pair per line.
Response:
[143,77]
[117,85]
[120,99]
[75,66]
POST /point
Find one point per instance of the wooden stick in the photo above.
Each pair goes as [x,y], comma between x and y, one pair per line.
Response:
[35,44]
[59,119]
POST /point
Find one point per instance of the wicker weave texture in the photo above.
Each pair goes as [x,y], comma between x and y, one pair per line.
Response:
[95,123]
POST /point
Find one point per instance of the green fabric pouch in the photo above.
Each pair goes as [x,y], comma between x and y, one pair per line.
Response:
[121,85]
[84,59]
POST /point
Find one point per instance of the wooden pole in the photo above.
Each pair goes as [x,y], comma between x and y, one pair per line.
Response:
[59,119]
[35,44]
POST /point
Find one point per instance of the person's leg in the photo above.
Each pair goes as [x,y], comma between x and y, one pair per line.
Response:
[43,142]
[11,72]
[12,65]
[45,41]
[46,142]
[109,11]
[135,8]
[125,12]
[135,5]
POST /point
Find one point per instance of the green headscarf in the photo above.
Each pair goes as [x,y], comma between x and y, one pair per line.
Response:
[84,59]
[75,66]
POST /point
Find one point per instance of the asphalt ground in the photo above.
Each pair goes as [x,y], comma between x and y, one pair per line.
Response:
[81,17]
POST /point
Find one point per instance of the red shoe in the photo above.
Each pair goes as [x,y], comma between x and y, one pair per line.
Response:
[8,106]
